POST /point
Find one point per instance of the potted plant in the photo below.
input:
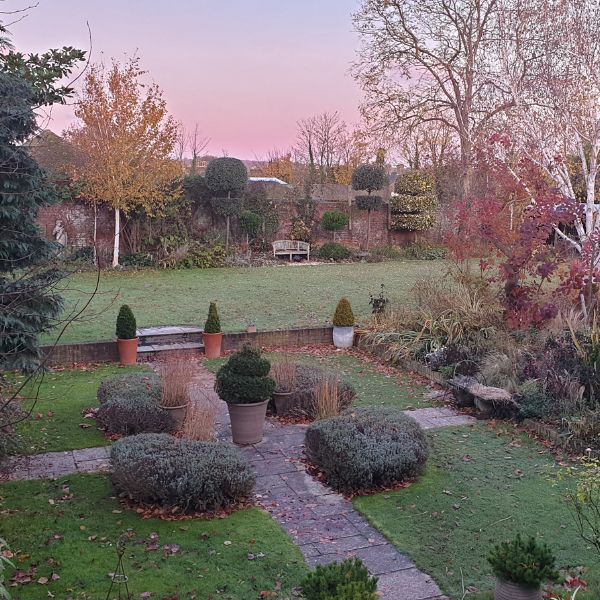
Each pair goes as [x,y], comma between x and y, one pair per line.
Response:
[244,383]
[212,335]
[343,325]
[176,379]
[127,340]
[521,566]
[284,375]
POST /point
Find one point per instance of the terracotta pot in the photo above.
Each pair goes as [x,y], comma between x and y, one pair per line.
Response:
[506,590]
[247,422]
[251,329]
[212,344]
[177,413]
[343,337]
[128,351]
[282,401]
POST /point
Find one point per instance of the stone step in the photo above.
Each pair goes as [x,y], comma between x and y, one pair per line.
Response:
[150,336]
[149,349]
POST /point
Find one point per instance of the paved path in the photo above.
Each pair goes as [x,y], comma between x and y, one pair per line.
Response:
[322,523]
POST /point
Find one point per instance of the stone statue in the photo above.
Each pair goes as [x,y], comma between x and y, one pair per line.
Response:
[59,233]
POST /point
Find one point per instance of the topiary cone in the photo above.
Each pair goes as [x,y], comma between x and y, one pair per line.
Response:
[212,336]
[127,341]
[343,317]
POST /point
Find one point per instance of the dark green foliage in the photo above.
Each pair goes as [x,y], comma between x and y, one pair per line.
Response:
[137,259]
[308,378]
[334,221]
[368,178]
[367,448]
[423,251]
[226,176]
[251,223]
[243,379]
[126,326]
[196,191]
[379,303]
[333,251]
[524,562]
[201,256]
[130,404]
[343,317]
[130,385]
[190,475]
[213,323]
[226,207]
[348,580]
[368,202]
[9,439]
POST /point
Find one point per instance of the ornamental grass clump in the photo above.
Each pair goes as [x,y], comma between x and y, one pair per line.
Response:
[244,378]
[130,404]
[284,375]
[213,323]
[176,378]
[348,580]
[126,325]
[343,317]
[184,474]
[524,562]
[367,448]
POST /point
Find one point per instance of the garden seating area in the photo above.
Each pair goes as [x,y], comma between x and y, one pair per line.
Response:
[291,248]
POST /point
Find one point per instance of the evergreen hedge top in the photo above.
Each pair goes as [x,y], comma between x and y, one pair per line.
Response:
[244,379]
[415,183]
[524,562]
[343,317]
[226,176]
[126,325]
[213,323]
[368,178]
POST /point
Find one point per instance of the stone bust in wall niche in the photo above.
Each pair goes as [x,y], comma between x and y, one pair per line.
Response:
[59,233]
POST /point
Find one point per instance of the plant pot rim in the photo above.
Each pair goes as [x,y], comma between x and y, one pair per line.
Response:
[343,326]
[208,333]
[247,403]
[283,393]
[521,585]
[127,339]
[174,407]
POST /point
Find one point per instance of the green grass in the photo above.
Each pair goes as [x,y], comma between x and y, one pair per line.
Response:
[70,527]
[374,387]
[480,488]
[55,423]
[270,297]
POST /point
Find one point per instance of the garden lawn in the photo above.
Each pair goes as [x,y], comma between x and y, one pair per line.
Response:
[270,297]
[481,487]
[375,385]
[69,528]
[57,422]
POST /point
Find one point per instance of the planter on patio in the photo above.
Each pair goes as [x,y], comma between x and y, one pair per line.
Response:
[127,340]
[178,414]
[243,383]
[506,590]
[212,336]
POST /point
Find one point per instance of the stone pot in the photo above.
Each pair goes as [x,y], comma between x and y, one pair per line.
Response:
[247,422]
[212,344]
[343,337]
[283,404]
[177,413]
[128,351]
[507,590]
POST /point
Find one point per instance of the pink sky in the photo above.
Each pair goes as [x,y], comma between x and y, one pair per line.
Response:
[245,70]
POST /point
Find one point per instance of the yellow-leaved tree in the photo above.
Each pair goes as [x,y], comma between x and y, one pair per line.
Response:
[128,141]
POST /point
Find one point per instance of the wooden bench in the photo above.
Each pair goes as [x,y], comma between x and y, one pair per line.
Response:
[290,248]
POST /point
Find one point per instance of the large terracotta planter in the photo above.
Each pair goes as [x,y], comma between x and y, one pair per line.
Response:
[212,344]
[343,337]
[177,413]
[247,422]
[128,351]
[506,590]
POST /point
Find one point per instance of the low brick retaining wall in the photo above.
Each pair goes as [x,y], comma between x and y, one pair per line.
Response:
[100,352]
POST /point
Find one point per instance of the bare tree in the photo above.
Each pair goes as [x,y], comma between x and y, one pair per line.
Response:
[429,61]
[190,143]
[319,145]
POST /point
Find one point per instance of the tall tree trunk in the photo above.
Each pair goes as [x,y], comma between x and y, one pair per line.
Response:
[368,228]
[115,260]
[95,234]
[227,235]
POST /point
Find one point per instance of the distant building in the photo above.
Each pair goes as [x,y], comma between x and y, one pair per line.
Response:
[272,180]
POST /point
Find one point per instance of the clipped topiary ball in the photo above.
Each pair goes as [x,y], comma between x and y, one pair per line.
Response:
[368,177]
[343,317]
[126,325]
[334,251]
[334,221]
[225,176]
[367,448]
[190,475]
[244,379]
